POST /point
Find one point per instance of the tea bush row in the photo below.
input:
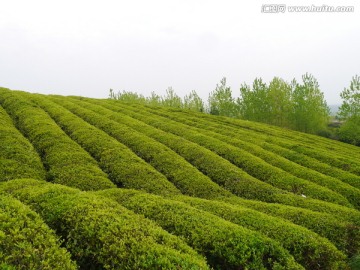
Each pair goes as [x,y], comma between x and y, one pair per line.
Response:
[270,142]
[332,152]
[324,224]
[177,170]
[327,156]
[247,162]
[280,197]
[313,163]
[342,228]
[264,141]
[295,137]
[18,158]
[67,163]
[210,164]
[307,247]
[124,168]
[225,245]
[101,234]
[26,242]
[208,128]
[250,163]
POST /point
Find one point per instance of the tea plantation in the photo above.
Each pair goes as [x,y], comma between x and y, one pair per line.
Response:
[102,184]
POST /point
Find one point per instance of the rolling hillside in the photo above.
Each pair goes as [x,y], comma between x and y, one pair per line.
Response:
[100,184]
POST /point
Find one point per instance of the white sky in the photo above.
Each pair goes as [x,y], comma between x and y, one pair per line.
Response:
[86,47]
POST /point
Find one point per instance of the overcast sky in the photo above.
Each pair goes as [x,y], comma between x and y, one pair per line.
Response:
[86,47]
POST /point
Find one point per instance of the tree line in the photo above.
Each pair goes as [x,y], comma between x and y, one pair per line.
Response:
[297,105]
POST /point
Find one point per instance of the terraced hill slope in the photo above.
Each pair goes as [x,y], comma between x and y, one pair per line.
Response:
[99,184]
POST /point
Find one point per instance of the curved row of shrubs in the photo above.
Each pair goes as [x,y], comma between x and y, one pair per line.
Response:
[307,247]
[218,169]
[271,142]
[341,212]
[324,224]
[195,152]
[18,157]
[342,227]
[296,137]
[341,155]
[225,245]
[101,234]
[267,142]
[192,152]
[177,170]
[78,209]
[333,152]
[122,165]
[250,163]
[313,163]
[26,242]
[328,157]
[67,163]
[218,132]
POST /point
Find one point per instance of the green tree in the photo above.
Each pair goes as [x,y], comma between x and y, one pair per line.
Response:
[310,112]
[127,96]
[171,99]
[349,111]
[245,102]
[221,101]
[260,101]
[351,100]
[268,104]
[131,97]
[279,100]
[154,99]
[193,102]
[111,94]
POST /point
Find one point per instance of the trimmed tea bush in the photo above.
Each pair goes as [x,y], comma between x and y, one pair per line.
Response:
[225,245]
[218,169]
[313,163]
[307,247]
[67,163]
[342,229]
[249,163]
[26,242]
[101,234]
[177,170]
[18,157]
[225,135]
[231,177]
[124,168]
